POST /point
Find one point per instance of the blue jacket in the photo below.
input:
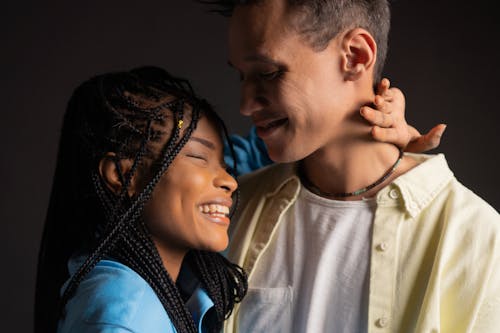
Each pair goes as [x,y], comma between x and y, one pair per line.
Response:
[251,153]
[113,298]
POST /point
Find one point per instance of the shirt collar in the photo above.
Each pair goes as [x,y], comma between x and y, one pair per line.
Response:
[198,305]
[285,182]
[199,302]
[419,186]
[416,188]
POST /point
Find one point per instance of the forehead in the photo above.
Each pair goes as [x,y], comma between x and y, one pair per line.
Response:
[207,129]
[260,27]
[163,127]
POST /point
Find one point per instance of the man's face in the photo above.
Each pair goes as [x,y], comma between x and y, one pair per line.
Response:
[294,94]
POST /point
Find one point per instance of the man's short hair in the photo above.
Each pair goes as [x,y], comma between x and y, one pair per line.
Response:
[319,21]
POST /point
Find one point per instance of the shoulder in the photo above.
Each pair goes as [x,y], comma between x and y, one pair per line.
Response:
[431,185]
[113,295]
[465,215]
[469,199]
[266,179]
[465,205]
[277,180]
[264,195]
[459,200]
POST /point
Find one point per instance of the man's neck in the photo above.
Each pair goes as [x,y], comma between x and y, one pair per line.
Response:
[352,164]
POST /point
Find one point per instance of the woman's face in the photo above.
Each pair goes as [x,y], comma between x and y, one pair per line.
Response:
[190,205]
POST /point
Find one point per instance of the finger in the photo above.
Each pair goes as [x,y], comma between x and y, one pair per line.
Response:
[433,138]
[393,95]
[390,135]
[383,87]
[427,141]
[376,117]
[414,133]
[380,103]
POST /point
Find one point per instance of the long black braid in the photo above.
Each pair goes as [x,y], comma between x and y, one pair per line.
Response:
[129,114]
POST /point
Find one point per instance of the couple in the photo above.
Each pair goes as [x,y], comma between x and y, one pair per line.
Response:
[346,234]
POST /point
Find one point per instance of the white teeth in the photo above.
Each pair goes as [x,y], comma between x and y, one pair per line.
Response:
[214,209]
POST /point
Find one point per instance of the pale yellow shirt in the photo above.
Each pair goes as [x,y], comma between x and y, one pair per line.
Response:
[435,252]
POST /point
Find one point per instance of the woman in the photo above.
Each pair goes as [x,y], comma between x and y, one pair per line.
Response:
[138,211]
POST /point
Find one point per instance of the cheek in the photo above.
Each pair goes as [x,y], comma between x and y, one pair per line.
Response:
[300,102]
[186,191]
[191,184]
[160,207]
[166,216]
[292,97]
[177,194]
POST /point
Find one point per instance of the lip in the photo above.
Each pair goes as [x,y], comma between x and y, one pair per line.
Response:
[263,118]
[267,128]
[219,201]
[218,219]
[224,221]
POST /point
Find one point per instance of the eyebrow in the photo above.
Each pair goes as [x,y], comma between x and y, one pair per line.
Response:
[259,58]
[206,143]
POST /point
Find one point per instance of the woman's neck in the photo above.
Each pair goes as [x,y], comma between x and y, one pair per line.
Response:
[171,258]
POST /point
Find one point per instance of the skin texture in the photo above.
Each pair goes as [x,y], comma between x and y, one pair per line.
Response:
[262,51]
[196,178]
[306,103]
[284,82]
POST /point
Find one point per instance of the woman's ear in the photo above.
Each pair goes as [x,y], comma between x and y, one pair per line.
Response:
[112,176]
[360,53]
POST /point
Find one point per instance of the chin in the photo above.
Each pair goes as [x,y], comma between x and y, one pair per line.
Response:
[217,245]
[285,156]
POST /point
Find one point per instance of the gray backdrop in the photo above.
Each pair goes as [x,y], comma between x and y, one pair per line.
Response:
[443,55]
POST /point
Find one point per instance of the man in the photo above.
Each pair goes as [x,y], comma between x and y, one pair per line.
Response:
[347,234]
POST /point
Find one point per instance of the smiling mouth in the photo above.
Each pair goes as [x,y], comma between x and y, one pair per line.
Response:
[214,210]
[269,128]
[275,123]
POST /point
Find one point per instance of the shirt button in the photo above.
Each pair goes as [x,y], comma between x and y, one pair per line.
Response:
[283,204]
[382,322]
[393,194]
[382,246]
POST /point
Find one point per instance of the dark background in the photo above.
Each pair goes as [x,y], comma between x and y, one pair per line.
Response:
[443,55]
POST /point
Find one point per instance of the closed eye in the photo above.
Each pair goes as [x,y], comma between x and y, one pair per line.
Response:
[199,157]
[271,75]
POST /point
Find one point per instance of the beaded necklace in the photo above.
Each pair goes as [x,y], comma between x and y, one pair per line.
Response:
[307,183]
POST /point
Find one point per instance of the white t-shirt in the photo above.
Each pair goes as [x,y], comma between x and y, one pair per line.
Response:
[313,277]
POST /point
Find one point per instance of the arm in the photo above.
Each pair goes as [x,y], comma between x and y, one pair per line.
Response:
[250,151]
[390,124]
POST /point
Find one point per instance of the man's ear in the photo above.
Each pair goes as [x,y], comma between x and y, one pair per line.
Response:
[108,169]
[359,51]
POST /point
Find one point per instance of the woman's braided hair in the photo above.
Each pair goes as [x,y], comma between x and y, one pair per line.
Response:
[129,114]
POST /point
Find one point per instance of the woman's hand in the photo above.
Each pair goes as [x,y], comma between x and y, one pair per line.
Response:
[389,123]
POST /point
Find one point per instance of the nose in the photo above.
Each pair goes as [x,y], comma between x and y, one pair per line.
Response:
[251,99]
[225,181]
